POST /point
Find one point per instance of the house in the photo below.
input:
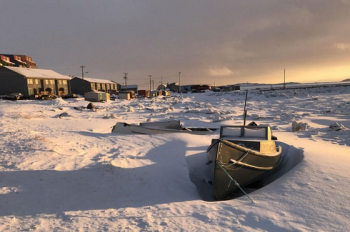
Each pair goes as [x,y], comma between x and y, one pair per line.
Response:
[173,87]
[155,93]
[116,91]
[32,82]
[5,61]
[129,87]
[19,61]
[231,87]
[185,88]
[161,87]
[199,88]
[83,85]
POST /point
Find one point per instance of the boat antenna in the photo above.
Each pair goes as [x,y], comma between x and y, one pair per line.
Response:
[245,104]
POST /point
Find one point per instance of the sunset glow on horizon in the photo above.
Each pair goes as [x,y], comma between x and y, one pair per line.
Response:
[225,42]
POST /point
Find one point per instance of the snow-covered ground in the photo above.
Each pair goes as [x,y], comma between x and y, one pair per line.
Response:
[61,168]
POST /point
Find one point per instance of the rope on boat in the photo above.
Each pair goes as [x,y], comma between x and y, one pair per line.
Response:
[234,181]
[239,160]
[250,166]
[242,164]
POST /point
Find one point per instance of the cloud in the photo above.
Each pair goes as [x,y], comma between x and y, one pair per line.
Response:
[220,72]
[342,46]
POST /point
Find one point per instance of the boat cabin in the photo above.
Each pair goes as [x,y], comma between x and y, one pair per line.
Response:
[246,132]
[258,138]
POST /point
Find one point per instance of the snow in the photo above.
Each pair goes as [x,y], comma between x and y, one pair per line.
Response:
[38,73]
[96,80]
[63,170]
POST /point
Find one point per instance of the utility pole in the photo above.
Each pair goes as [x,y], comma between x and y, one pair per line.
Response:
[150,82]
[284,85]
[125,80]
[153,83]
[179,82]
[82,79]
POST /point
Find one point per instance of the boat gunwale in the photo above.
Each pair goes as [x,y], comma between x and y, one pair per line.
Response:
[251,151]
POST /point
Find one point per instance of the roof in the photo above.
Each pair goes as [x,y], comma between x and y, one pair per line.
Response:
[95,80]
[38,73]
[129,87]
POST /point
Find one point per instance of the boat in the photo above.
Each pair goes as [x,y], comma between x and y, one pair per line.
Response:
[171,126]
[241,156]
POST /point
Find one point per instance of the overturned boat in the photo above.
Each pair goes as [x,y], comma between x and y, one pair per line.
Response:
[172,126]
[241,156]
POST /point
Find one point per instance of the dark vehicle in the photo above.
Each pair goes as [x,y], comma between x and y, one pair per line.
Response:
[13,97]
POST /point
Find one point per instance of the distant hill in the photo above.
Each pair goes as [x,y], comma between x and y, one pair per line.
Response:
[257,84]
[289,83]
[346,80]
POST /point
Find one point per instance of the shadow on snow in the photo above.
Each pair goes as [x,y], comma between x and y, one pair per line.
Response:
[99,186]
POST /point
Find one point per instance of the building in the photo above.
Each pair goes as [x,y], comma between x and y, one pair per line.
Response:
[117,88]
[5,61]
[129,87]
[231,87]
[97,96]
[156,93]
[82,86]
[32,83]
[200,87]
[185,88]
[143,93]
[17,61]
[173,87]
[161,87]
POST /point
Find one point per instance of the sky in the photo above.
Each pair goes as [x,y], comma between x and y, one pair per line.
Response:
[209,42]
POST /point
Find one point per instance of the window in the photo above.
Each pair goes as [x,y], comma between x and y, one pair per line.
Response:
[46,82]
[59,81]
[30,81]
[52,82]
[64,82]
[36,81]
[62,90]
